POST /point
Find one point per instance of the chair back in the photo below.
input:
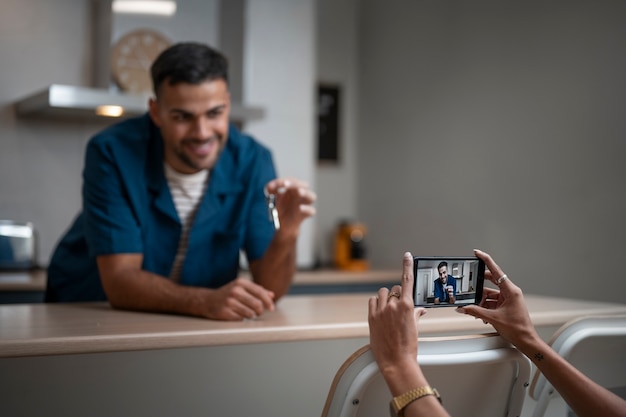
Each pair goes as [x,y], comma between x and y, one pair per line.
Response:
[476,375]
[596,346]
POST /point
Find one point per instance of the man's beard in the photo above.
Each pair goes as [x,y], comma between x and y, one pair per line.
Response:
[189,161]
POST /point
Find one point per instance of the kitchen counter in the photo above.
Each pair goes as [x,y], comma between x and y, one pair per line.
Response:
[22,286]
[89,359]
[33,280]
[53,329]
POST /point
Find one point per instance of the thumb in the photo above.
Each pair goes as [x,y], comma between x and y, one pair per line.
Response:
[476,311]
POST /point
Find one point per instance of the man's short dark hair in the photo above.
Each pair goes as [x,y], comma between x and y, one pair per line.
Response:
[441,264]
[188,62]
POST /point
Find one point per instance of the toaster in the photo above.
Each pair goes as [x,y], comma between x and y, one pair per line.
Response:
[17,245]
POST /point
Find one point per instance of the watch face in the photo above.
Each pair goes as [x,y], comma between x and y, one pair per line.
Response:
[132,56]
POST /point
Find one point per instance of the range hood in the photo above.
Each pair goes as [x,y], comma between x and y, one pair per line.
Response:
[73,101]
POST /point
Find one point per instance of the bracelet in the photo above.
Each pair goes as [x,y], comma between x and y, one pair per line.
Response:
[397,404]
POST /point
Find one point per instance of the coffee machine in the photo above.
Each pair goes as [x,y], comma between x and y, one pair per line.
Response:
[350,250]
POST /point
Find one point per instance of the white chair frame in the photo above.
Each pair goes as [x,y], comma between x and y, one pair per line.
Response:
[502,375]
[596,345]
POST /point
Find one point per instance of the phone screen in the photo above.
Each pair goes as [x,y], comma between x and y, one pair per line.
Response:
[447,281]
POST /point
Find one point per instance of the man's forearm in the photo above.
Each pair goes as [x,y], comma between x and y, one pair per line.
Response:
[129,287]
[276,269]
[151,292]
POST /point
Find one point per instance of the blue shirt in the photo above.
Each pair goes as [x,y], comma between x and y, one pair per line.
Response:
[128,208]
[441,293]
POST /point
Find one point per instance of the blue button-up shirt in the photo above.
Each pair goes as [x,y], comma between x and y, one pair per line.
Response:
[128,208]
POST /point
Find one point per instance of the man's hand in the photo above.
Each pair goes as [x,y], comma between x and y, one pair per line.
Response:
[239,299]
[294,202]
[451,297]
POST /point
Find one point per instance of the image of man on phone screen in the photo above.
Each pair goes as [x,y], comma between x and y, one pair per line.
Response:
[445,285]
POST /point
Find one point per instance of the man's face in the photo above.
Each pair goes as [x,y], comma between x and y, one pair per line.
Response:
[193,119]
[443,274]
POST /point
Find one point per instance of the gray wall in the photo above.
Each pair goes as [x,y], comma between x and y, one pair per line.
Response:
[41,43]
[337,63]
[501,126]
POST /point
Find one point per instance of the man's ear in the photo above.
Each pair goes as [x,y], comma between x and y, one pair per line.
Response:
[153,108]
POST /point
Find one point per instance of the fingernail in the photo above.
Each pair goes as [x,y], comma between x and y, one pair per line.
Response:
[408,255]
[459,310]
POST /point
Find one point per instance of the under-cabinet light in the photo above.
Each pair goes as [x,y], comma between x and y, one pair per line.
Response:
[155,7]
[109,110]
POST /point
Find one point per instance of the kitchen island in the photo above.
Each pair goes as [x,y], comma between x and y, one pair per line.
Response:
[90,359]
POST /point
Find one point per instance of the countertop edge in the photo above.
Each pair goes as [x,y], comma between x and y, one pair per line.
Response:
[173,340]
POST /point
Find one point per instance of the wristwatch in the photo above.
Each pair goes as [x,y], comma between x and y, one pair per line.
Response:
[397,404]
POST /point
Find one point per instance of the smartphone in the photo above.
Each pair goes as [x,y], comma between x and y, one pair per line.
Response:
[447,281]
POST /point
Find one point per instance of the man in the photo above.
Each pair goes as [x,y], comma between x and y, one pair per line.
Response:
[445,285]
[171,197]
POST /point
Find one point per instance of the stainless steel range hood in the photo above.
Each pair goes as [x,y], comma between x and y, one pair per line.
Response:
[73,101]
[83,102]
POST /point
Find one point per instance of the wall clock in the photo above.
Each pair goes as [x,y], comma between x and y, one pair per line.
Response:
[131,57]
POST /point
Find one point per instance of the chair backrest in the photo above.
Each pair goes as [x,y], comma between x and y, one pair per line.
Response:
[596,346]
[477,375]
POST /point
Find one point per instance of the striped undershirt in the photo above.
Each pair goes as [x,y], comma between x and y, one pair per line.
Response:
[187,191]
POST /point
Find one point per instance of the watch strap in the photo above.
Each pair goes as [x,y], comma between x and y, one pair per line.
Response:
[401,401]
